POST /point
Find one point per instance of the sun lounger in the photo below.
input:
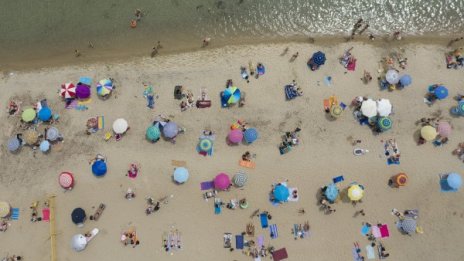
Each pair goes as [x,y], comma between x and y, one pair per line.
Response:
[247,164]
[227,240]
[274,233]
[46,214]
[370,252]
[98,212]
[264,220]
[239,242]
[280,254]
[93,233]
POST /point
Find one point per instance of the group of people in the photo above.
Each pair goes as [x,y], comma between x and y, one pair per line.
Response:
[325,203]
[430,97]
[459,151]
[454,59]
[348,61]
[255,71]
[130,238]
[359,28]
[391,151]
[289,140]
[152,206]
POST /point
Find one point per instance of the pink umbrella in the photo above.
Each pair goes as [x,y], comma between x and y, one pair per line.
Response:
[222,181]
[235,136]
[444,129]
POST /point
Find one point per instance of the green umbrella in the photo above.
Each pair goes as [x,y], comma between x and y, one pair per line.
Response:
[28,115]
[384,123]
[153,133]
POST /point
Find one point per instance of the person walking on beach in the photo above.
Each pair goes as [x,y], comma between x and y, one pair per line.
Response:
[294,56]
[138,14]
[356,26]
[206,42]
[77,53]
[454,41]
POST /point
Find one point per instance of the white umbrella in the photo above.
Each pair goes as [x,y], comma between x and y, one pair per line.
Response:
[78,242]
[392,76]
[120,126]
[369,108]
[384,107]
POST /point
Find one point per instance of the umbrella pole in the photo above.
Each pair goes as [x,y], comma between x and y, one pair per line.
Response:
[51,206]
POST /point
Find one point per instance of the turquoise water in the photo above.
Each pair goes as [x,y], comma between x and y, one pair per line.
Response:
[48,28]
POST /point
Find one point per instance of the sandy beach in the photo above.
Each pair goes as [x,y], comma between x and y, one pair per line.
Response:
[325,151]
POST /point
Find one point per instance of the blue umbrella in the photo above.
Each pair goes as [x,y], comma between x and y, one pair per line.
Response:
[441,92]
[454,181]
[331,192]
[170,130]
[318,58]
[250,135]
[181,175]
[99,168]
[78,216]
[45,114]
[405,80]
[13,144]
[44,146]
[281,193]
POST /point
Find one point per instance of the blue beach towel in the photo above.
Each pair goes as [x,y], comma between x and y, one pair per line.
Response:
[365,230]
[15,214]
[338,179]
[273,231]
[263,219]
[86,80]
[261,70]
[239,242]
[392,162]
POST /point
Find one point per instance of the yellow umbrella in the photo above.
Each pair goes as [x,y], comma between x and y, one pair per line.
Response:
[31,137]
[336,111]
[5,209]
[428,133]
[355,192]
[28,115]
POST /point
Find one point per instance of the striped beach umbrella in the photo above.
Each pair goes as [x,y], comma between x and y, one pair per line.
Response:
[68,90]
[319,58]
[250,135]
[231,95]
[28,115]
[384,123]
[66,180]
[205,144]
[441,92]
[13,144]
[153,133]
[428,133]
[104,87]
[336,111]
[401,179]
[240,179]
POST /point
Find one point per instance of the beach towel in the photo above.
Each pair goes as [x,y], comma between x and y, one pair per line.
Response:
[101,122]
[178,163]
[15,214]
[355,252]
[376,232]
[217,206]
[280,254]
[261,70]
[342,105]
[46,214]
[365,230]
[338,179]
[295,231]
[328,80]
[264,220]
[86,80]
[247,164]
[274,233]
[391,161]
[239,242]
[150,101]
[370,252]
[71,105]
[326,104]
[84,102]
[384,231]
[290,196]
[206,185]
[260,241]
[351,65]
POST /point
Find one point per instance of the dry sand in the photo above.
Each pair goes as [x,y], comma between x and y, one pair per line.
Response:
[324,152]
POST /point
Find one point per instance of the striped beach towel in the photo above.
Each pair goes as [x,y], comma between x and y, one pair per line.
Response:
[15,214]
[274,233]
[101,122]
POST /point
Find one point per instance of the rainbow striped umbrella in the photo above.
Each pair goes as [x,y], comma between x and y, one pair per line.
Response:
[104,87]
[230,96]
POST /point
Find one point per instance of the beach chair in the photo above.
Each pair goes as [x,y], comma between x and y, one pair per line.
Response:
[227,240]
[280,254]
[217,206]
[247,164]
[274,233]
[264,220]
[295,231]
[239,241]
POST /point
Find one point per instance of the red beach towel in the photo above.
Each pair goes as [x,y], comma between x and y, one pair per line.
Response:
[46,214]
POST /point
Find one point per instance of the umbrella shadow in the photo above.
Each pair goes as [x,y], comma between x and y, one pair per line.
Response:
[329,117]
[416,136]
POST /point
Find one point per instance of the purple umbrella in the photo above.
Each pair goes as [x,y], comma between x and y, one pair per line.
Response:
[170,130]
[82,91]
[235,136]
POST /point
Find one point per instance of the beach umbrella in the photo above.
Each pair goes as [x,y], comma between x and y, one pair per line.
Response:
[401,179]
[408,225]
[181,175]
[68,90]
[45,114]
[355,192]
[205,144]
[240,179]
[120,126]
[331,192]
[99,168]
[13,144]
[44,146]
[28,115]
[31,136]
[104,87]
[78,216]
[82,91]
[441,92]
[392,76]
[369,108]
[384,123]
[281,193]
[230,95]
[5,209]
[444,128]
[153,133]
[66,180]
[428,133]
[170,130]
[384,107]
[235,136]
[454,181]
[336,111]
[405,80]
[222,181]
[78,242]
[318,58]
[250,135]
[53,134]
[460,107]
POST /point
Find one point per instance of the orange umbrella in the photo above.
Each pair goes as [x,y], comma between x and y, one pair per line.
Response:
[401,179]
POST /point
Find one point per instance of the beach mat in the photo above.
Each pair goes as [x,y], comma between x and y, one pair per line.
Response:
[264,220]
[247,164]
[101,122]
[239,242]
[206,185]
[46,214]
[15,214]
[290,197]
[274,233]
[384,231]
[179,163]
[280,254]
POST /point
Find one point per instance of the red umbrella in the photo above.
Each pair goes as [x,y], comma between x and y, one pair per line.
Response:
[68,90]
[66,180]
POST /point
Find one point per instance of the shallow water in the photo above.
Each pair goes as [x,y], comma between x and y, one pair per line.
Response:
[51,28]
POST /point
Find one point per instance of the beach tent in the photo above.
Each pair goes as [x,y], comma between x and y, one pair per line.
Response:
[82,91]
[405,80]
[384,107]
[230,95]
[428,133]
[181,175]
[13,144]
[222,181]
[28,115]
[336,111]
[444,129]
[384,123]
[104,87]
[45,114]
[355,192]
[68,91]
[281,193]
[31,136]
[205,144]
[153,133]
[170,130]
[240,179]
[78,242]
[331,192]
[52,134]
[235,136]
[369,108]
[44,146]
[408,225]
[120,126]
[66,180]
[5,209]
[78,216]
[318,58]
[392,76]
[441,92]
[250,135]
[99,168]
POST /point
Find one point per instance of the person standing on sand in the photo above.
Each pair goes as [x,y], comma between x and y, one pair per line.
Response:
[294,56]
[77,53]
[206,42]
[138,14]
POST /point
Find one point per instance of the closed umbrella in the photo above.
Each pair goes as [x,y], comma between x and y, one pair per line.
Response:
[44,146]
[78,216]
[45,114]
[66,180]
[444,128]
[82,91]
[181,175]
[454,181]
[28,115]
[441,92]
[240,179]
[405,80]
[355,192]
[5,209]
[68,91]
[331,192]
[281,193]
[222,181]
[13,144]
[336,111]
[408,225]
[120,126]
[428,133]
[31,137]
[250,135]
[205,144]
[53,134]
[99,168]
[230,95]
[384,123]
[170,130]
[235,136]
[384,107]
[78,242]
[369,108]
[153,133]
[392,76]
[319,58]
[104,87]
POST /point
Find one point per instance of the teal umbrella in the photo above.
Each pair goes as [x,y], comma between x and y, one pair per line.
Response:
[384,123]
[153,133]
